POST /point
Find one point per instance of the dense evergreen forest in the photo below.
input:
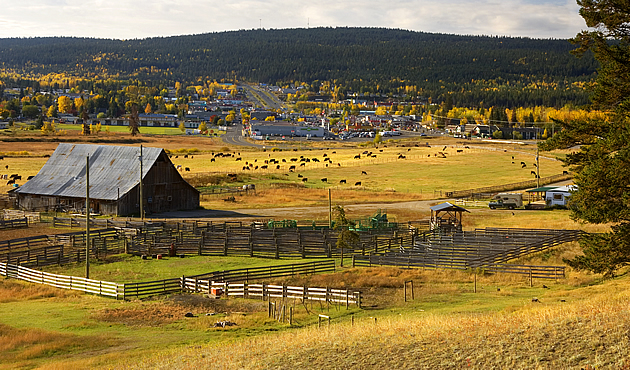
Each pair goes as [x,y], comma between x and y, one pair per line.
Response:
[473,70]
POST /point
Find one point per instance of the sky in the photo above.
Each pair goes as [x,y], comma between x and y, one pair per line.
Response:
[137,19]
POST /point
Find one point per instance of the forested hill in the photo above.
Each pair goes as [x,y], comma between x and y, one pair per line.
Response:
[357,58]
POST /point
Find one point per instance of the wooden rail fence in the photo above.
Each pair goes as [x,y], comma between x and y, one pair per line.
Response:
[507,187]
[268,291]
[14,224]
[102,288]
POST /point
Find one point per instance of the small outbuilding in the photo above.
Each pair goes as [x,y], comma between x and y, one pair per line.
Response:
[447,217]
[114,177]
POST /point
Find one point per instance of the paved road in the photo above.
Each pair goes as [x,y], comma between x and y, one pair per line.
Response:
[264,98]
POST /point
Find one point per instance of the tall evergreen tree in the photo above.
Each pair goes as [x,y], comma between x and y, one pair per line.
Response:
[602,165]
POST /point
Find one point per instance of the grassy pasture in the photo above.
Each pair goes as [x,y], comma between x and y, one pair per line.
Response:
[447,325]
[149,130]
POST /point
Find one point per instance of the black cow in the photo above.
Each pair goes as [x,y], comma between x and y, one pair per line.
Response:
[358,183]
[363,173]
[324,179]
[342,181]
[305,179]
[187,169]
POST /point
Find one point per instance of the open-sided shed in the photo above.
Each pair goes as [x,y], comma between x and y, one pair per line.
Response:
[447,216]
[114,181]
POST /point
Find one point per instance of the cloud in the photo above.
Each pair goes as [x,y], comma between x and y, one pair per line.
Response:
[124,19]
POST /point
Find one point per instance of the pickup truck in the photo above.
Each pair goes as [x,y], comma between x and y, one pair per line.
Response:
[506,200]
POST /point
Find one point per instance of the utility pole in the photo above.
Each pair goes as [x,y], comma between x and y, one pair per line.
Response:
[329,210]
[87,217]
[537,167]
[141,190]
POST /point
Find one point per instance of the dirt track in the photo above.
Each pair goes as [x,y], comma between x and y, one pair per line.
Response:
[304,213]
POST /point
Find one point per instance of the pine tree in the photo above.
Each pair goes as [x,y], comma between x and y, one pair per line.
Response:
[602,173]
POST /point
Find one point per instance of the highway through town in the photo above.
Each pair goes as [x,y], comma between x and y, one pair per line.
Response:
[262,97]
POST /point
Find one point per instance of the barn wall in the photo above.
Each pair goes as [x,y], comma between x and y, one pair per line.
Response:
[165,190]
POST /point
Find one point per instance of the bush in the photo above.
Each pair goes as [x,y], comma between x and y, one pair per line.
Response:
[497,135]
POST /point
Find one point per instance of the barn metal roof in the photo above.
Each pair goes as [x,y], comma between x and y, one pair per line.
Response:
[112,168]
[446,206]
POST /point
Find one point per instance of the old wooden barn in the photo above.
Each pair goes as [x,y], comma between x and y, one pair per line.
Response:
[114,181]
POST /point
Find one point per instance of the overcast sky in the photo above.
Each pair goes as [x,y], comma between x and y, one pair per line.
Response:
[127,19]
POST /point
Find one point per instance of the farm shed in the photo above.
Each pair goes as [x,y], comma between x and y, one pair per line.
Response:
[447,217]
[114,181]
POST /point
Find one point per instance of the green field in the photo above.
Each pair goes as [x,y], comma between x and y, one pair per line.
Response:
[149,130]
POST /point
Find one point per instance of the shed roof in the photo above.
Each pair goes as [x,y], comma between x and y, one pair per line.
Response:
[541,189]
[112,169]
[446,206]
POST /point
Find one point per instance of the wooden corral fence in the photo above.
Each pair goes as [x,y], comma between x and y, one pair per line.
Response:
[506,187]
[44,250]
[249,241]
[166,286]
[71,222]
[14,224]
[269,291]
[408,261]
[190,284]
[489,249]
[98,287]
[12,214]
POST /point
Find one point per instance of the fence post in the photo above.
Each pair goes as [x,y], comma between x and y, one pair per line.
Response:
[531,279]
[225,243]
[353,257]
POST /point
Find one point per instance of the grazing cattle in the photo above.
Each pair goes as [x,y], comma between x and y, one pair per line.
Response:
[460,150]
[245,168]
[237,159]
[324,179]
[256,167]
[277,167]
[524,165]
[334,152]
[305,179]
[46,155]
[231,175]
[512,162]
[266,161]
[466,147]
[342,181]
[326,164]
[255,160]
[6,167]
[187,169]
[300,175]
[325,155]
[308,160]
[535,165]
[400,156]
[302,164]
[30,177]
[176,156]
[302,159]
[363,173]
[13,176]
[192,156]
[358,183]
[251,165]
[339,164]
[315,160]
[212,159]
[380,150]
[409,149]
[534,173]
[12,181]
[429,155]
[263,167]
[1,157]
[565,172]
[512,157]
[443,149]
[291,168]
[284,160]
[186,156]
[358,156]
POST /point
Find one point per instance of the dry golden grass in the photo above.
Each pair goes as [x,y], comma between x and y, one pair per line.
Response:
[550,335]
[25,348]
[16,290]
